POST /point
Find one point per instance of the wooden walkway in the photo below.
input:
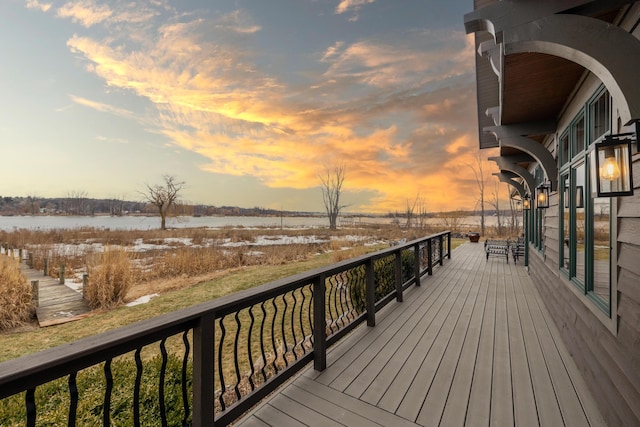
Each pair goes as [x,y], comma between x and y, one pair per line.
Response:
[473,346]
[57,303]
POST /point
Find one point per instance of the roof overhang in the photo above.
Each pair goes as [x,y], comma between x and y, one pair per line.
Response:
[533,54]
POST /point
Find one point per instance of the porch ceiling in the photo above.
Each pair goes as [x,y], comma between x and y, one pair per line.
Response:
[536,86]
[533,86]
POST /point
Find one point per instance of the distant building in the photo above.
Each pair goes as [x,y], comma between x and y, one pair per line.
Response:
[555,78]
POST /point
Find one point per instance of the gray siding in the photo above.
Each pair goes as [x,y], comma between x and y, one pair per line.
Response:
[609,362]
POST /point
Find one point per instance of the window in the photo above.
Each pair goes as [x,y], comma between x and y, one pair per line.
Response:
[564,149]
[564,245]
[577,133]
[599,285]
[585,223]
[600,116]
[538,214]
[578,228]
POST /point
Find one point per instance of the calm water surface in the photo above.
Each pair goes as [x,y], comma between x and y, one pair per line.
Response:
[9,223]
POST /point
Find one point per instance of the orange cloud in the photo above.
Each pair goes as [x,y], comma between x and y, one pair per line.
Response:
[85,12]
[397,116]
[346,5]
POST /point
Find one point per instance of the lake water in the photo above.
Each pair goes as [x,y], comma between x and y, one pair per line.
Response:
[9,223]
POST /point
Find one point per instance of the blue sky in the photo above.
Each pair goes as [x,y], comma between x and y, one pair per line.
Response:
[246,101]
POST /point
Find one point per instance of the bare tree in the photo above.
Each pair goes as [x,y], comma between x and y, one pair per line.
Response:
[410,212]
[416,211]
[332,180]
[422,214]
[77,202]
[478,172]
[33,204]
[495,202]
[514,225]
[452,220]
[163,196]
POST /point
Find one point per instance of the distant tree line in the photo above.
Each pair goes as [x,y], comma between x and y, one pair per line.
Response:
[78,203]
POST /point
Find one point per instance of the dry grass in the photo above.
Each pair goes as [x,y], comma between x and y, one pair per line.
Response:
[110,278]
[188,255]
[16,307]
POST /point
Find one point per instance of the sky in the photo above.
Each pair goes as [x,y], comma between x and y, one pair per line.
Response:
[246,101]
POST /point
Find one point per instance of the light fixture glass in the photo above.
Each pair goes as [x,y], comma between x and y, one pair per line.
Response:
[611,159]
[542,196]
[526,202]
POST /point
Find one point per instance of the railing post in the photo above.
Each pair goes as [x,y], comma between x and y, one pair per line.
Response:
[319,324]
[61,274]
[416,263]
[398,278]
[441,257]
[35,292]
[429,257]
[370,286]
[46,266]
[203,371]
[85,283]
[449,245]
[30,259]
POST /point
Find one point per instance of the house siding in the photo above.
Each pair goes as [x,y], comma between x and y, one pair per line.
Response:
[609,361]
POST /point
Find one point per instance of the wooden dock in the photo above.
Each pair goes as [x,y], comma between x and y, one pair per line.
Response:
[473,346]
[57,303]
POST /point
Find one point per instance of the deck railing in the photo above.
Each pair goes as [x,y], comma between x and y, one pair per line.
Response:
[223,356]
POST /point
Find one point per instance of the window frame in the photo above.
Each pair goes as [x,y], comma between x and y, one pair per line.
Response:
[567,169]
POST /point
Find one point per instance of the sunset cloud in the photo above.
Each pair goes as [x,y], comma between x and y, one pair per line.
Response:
[237,21]
[347,5]
[35,4]
[394,112]
[85,12]
[99,106]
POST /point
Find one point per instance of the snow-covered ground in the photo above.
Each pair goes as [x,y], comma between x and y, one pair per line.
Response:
[139,246]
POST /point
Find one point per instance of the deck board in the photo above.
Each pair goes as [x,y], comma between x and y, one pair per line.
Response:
[57,303]
[473,345]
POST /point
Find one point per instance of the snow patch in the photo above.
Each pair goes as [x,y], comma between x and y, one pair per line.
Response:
[142,300]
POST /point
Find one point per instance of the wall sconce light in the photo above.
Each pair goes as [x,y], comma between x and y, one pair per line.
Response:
[613,166]
[526,202]
[542,195]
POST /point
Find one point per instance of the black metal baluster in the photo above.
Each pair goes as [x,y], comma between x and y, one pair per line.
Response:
[282,328]
[344,308]
[262,352]
[106,407]
[136,388]
[30,402]
[273,335]
[330,300]
[293,324]
[163,374]
[220,370]
[73,400]
[311,313]
[302,305]
[250,349]
[185,363]
[235,354]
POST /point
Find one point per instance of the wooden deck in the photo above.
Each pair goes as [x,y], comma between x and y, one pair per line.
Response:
[473,346]
[56,303]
